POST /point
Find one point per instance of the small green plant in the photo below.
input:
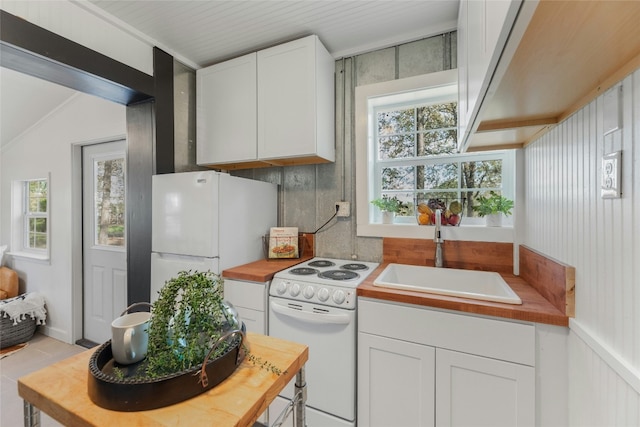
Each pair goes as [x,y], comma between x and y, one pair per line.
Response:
[493,204]
[389,204]
[189,316]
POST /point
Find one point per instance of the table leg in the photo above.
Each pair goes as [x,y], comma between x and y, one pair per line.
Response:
[31,415]
[299,416]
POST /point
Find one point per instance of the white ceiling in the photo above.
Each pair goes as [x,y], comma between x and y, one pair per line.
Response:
[205,32]
[201,33]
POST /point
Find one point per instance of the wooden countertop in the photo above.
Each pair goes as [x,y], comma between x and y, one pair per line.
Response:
[534,308]
[261,271]
[264,269]
[60,390]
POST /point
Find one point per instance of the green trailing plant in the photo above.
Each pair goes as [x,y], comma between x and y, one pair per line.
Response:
[264,364]
[187,319]
[389,204]
[493,204]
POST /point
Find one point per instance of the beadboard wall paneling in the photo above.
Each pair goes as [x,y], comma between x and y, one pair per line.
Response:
[568,220]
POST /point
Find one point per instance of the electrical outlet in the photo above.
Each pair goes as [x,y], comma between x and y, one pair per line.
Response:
[344,209]
[611,175]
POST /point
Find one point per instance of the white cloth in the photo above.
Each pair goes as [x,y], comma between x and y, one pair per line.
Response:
[29,304]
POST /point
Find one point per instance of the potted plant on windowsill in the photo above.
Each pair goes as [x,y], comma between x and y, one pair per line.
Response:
[389,206]
[493,208]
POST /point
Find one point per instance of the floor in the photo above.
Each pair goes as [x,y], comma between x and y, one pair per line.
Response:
[41,352]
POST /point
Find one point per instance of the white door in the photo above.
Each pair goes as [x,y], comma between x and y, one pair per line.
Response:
[104,232]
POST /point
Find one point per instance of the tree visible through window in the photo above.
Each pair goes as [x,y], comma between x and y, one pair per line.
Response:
[36,214]
[416,157]
[110,202]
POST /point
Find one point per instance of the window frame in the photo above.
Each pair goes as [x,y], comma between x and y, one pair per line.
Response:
[403,91]
[20,220]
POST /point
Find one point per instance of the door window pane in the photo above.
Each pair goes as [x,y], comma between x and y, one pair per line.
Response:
[110,202]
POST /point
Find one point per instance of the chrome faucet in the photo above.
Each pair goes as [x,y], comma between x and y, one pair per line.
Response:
[437,238]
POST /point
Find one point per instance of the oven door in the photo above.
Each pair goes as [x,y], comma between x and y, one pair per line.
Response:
[330,334]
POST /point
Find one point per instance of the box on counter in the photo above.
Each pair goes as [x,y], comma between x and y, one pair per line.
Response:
[283,242]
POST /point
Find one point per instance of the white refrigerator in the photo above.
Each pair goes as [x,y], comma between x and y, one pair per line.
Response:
[207,221]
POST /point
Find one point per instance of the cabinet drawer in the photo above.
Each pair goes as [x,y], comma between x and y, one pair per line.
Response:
[251,295]
[504,340]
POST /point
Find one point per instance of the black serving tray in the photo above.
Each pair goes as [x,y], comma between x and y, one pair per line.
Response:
[129,393]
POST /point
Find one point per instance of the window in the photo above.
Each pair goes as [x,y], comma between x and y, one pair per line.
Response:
[36,215]
[109,199]
[406,140]
[31,222]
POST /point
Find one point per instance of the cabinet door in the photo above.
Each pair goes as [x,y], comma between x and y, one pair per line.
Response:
[483,28]
[226,112]
[250,299]
[478,391]
[395,382]
[286,99]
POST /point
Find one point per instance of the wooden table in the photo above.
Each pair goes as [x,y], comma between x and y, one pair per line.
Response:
[60,390]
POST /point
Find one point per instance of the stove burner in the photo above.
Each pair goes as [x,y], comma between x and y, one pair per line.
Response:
[354,266]
[338,275]
[321,263]
[303,271]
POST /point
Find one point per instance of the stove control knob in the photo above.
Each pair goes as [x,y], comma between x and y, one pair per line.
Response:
[339,296]
[323,294]
[281,288]
[295,290]
[309,292]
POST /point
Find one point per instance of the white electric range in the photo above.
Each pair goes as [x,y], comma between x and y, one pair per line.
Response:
[314,303]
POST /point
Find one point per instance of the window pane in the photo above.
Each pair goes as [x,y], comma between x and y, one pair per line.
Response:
[110,202]
[37,234]
[437,176]
[396,122]
[438,142]
[483,174]
[37,196]
[396,147]
[437,116]
[401,178]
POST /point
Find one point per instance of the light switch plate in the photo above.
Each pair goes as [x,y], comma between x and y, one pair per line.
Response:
[611,175]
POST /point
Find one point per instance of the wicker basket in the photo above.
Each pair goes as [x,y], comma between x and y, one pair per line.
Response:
[11,334]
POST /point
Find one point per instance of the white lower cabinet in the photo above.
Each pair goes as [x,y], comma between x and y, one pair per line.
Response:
[474,390]
[395,382]
[424,367]
[250,300]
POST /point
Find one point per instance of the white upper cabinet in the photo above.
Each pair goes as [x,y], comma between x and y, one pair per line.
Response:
[483,29]
[296,101]
[226,112]
[273,107]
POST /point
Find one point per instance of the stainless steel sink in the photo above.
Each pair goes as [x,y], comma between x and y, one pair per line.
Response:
[480,285]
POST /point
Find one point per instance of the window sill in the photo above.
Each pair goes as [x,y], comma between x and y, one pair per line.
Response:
[29,256]
[477,233]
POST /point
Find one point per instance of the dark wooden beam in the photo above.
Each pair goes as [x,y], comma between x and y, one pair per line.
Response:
[32,50]
[164,114]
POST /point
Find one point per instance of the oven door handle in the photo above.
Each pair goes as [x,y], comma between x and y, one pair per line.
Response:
[339,319]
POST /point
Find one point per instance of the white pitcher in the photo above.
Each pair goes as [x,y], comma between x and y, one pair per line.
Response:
[130,337]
